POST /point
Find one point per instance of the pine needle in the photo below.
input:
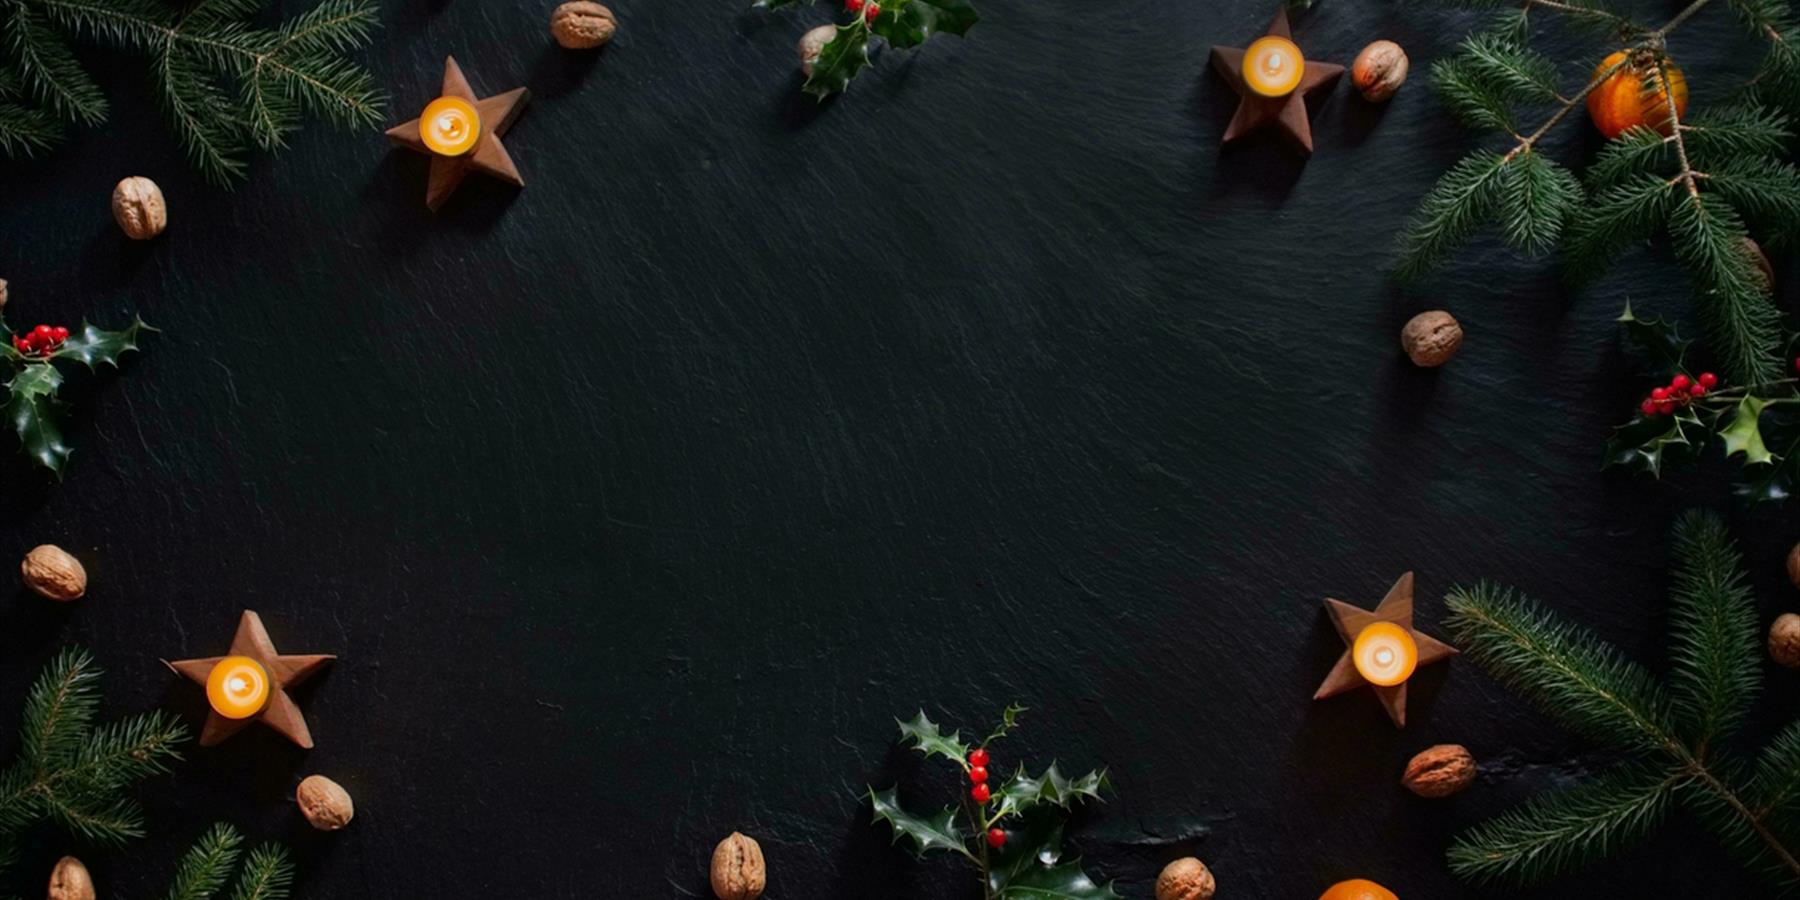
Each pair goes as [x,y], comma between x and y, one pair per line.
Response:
[1457,205]
[1564,829]
[267,876]
[207,865]
[1712,625]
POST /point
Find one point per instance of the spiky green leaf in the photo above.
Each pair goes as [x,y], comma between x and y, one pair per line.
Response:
[925,833]
[1023,791]
[923,735]
[839,61]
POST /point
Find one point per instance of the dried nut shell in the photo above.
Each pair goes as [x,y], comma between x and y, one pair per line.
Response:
[53,573]
[1784,641]
[1793,565]
[2,292]
[1185,879]
[70,881]
[1440,771]
[812,44]
[1379,70]
[138,207]
[324,803]
[738,872]
[1763,266]
[582,25]
[1431,338]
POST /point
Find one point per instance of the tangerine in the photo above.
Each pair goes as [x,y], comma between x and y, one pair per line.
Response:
[1357,889]
[1634,95]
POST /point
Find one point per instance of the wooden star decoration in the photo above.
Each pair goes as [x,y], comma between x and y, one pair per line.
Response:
[489,156]
[1396,607]
[280,713]
[1289,113]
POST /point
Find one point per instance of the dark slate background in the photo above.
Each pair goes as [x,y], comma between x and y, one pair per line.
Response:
[640,502]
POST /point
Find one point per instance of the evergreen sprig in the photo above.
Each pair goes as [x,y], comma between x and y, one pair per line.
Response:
[73,773]
[225,86]
[904,24]
[1708,184]
[1672,732]
[29,401]
[206,867]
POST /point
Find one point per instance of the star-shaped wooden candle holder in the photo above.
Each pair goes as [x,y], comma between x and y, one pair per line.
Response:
[280,713]
[1287,112]
[1397,608]
[489,156]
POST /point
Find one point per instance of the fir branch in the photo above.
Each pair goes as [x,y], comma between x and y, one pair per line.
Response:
[1638,151]
[1765,191]
[1712,623]
[49,67]
[1457,205]
[60,710]
[1740,129]
[207,865]
[1536,197]
[1519,73]
[1745,328]
[1776,786]
[1469,98]
[266,876]
[1562,830]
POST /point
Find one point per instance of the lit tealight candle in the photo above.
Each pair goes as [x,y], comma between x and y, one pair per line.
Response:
[450,126]
[1385,654]
[238,687]
[1273,66]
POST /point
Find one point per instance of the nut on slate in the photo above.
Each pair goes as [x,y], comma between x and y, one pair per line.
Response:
[1784,641]
[138,207]
[1793,565]
[738,872]
[1440,771]
[1185,879]
[1431,338]
[324,803]
[582,25]
[53,573]
[70,881]
[1763,266]
[1379,70]
[2,292]
[812,44]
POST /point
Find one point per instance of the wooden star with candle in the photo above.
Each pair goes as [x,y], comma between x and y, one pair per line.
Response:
[1274,81]
[254,652]
[1393,622]
[462,134]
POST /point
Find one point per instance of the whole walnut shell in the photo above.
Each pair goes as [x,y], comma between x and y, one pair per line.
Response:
[1431,338]
[70,881]
[738,872]
[1793,565]
[138,207]
[2,292]
[1185,879]
[1379,70]
[53,573]
[812,44]
[583,25]
[324,803]
[1440,771]
[1784,641]
[1763,266]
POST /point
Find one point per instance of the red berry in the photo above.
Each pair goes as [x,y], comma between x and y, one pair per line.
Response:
[981,793]
[1660,394]
[978,774]
[978,757]
[996,838]
[1708,380]
[1648,407]
[1680,382]
[873,11]
[853,5]
[1697,391]
[60,333]
[41,330]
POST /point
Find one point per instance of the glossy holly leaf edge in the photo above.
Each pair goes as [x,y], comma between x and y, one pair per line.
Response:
[927,833]
[28,408]
[1030,866]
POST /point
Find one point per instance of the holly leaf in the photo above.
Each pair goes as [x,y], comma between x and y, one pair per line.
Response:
[1645,443]
[913,22]
[927,833]
[839,61]
[1744,434]
[1030,867]
[93,346]
[1659,348]
[1023,792]
[28,408]
[1775,482]
[1009,719]
[777,4]
[929,740]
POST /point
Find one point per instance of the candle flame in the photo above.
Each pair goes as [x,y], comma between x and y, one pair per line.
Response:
[1384,656]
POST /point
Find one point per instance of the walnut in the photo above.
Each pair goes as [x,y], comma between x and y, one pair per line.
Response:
[1440,771]
[1379,70]
[812,44]
[738,872]
[53,573]
[1185,879]
[70,881]
[1793,565]
[324,803]
[138,207]
[2,292]
[582,25]
[1431,338]
[1784,641]
[1763,266]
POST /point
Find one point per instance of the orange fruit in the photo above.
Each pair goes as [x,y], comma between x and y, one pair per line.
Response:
[1357,889]
[1634,95]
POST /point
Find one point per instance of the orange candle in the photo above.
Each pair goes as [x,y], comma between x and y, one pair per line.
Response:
[1385,654]
[450,126]
[1273,66]
[238,687]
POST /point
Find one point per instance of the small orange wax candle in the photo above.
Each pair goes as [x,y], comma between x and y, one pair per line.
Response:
[450,126]
[1273,66]
[1385,654]
[238,687]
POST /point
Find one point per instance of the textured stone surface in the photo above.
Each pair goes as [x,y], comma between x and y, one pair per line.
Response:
[639,502]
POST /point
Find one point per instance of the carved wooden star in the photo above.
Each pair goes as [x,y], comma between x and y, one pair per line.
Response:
[281,714]
[1396,607]
[489,156]
[1255,111]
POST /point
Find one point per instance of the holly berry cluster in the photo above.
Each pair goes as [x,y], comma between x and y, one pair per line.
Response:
[1680,391]
[982,794]
[869,10]
[41,341]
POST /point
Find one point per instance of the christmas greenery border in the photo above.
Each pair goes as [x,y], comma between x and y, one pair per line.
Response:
[904,24]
